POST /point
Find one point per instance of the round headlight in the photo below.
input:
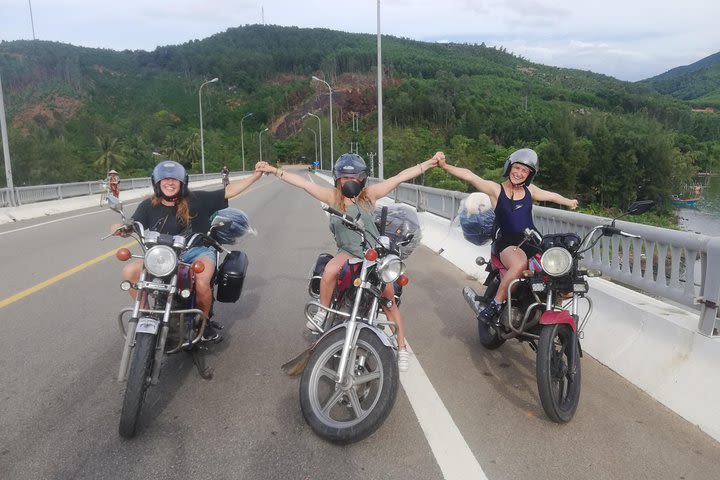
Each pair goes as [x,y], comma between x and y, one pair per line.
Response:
[556,261]
[160,261]
[390,268]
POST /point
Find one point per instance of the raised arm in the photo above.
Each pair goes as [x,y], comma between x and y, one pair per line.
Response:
[324,194]
[488,187]
[235,188]
[381,189]
[540,195]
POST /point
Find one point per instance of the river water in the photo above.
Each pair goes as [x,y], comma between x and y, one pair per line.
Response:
[704,217]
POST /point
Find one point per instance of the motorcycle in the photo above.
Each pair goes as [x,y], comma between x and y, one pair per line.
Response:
[164,318]
[350,375]
[225,179]
[543,309]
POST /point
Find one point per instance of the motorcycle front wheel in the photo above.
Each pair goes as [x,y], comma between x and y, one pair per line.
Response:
[558,372]
[137,383]
[345,415]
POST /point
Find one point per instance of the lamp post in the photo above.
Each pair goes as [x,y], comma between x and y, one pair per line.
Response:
[202,144]
[319,134]
[260,141]
[332,153]
[379,99]
[314,142]
[6,148]
[242,139]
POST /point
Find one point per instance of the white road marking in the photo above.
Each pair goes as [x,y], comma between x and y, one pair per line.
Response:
[451,451]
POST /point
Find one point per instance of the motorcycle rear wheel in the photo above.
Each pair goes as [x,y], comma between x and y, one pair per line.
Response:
[137,383]
[346,416]
[558,386]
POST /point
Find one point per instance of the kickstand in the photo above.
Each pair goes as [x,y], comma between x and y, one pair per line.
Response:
[203,369]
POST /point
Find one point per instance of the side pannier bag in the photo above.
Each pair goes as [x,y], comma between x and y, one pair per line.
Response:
[231,276]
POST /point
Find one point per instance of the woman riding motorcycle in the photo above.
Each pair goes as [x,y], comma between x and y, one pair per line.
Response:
[512,202]
[175,210]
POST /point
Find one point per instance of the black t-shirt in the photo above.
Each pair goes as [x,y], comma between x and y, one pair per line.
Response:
[163,219]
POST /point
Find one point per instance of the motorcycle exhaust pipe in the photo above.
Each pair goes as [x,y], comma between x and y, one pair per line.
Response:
[471,298]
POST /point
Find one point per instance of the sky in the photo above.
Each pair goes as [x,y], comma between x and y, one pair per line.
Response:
[627,39]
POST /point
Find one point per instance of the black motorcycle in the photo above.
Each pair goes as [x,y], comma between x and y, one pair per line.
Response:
[350,375]
[543,309]
[164,318]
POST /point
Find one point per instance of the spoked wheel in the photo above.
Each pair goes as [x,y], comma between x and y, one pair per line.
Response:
[351,412]
[137,383]
[558,372]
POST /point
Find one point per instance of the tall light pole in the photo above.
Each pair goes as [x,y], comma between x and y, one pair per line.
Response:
[242,139]
[379,99]
[6,148]
[260,141]
[319,134]
[332,153]
[315,142]
[202,144]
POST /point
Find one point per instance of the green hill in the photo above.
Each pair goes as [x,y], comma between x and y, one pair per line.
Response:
[73,112]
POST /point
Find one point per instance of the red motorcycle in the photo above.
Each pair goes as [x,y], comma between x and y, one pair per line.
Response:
[543,309]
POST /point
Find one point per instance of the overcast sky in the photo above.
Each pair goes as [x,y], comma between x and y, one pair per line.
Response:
[627,39]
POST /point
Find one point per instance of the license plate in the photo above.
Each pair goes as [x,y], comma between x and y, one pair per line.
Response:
[147,325]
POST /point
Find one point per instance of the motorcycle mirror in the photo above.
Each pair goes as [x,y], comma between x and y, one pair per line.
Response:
[640,206]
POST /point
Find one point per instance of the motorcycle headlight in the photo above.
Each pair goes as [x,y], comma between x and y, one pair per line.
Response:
[390,268]
[160,261]
[556,261]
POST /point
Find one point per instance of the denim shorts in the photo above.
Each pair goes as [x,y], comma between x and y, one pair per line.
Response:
[189,256]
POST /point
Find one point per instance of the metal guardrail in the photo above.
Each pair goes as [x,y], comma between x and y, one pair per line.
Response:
[59,191]
[680,266]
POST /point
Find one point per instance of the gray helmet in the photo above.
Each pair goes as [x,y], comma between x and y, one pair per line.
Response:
[169,169]
[350,165]
[524,156]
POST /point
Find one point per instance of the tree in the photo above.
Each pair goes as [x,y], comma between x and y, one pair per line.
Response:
[110,158]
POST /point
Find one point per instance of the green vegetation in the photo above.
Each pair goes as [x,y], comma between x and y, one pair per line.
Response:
[72,111]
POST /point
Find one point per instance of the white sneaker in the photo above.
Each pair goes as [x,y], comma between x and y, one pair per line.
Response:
[403,360]
[315,324]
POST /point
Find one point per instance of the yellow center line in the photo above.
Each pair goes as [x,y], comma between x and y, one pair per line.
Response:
[60,276]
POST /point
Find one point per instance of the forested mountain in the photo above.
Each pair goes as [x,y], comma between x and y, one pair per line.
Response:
[74,112]
[698,83]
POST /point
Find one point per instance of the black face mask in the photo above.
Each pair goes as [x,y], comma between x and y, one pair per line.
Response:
[351,189]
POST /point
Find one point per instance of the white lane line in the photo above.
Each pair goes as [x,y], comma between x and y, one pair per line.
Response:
[451,451]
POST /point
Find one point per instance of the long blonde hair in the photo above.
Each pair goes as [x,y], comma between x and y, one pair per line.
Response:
[182,214]
[362,200]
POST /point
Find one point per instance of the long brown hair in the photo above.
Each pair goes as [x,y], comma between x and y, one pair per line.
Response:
[182,214]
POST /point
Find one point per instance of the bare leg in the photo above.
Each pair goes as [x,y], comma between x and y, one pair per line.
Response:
[203,290]
[515,262]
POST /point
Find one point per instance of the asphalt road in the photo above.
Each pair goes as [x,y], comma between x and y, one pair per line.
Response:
[60,401]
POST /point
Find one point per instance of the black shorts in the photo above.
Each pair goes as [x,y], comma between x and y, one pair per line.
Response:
[509,239]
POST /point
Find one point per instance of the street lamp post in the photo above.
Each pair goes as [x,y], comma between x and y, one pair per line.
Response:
[202,144]
[242,139]
[332,153]
[381,161]
[260,141]
[319,135]
[314,142]
[6,149]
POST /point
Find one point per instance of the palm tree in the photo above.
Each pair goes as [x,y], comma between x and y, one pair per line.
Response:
[192,149]
[110,158]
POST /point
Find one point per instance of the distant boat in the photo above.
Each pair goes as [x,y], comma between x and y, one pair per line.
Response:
[684,202]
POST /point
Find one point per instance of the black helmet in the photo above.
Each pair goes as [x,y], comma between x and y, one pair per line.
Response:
[524,156]
[169,169]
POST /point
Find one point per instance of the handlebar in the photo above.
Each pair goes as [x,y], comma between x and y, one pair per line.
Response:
[346,219]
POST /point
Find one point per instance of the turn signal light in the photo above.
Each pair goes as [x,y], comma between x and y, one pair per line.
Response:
[402,280]
[198,266]
[123,254]
[371,255]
